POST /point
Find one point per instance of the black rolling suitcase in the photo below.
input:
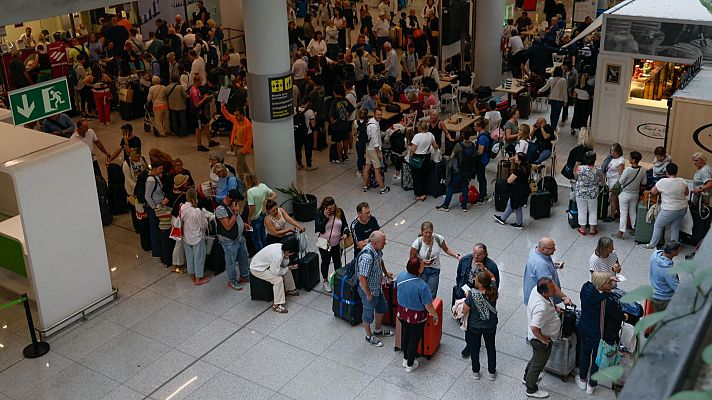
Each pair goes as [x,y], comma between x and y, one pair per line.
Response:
[307,275]
[260,289]
[701,218]
[548,183]
[504,169]
[127,111]
[117,192]
[435,185]
[540,204]
[144,234]
[572,214]
[102,190]
[347,302]
[501,194]
[215,261]
[602,204]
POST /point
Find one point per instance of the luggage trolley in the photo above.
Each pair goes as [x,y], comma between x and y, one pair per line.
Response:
[149,121]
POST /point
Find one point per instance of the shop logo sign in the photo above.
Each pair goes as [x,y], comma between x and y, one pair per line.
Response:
[653,131]
[703,137]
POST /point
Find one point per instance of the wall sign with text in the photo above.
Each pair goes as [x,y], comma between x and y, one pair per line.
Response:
[653,131]
[281,97]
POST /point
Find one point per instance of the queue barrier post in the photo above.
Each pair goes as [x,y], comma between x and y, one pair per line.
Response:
[36,348]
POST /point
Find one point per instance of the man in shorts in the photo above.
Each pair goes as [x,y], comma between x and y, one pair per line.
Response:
[374,156]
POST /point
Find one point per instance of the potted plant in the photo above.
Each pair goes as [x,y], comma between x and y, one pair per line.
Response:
[303,205]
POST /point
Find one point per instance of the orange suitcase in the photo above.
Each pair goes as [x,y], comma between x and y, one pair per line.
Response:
[432,335]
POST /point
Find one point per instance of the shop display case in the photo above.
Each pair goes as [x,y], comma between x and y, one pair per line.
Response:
[655,80]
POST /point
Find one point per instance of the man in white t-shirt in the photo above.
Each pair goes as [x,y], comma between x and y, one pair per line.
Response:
[381,27]
[391,62]
[515,43]
[88,136]
[544,326]
[299,71]
[374,156]
[198,67]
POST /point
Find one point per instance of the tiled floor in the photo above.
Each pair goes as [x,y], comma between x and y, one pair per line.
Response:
[166,337]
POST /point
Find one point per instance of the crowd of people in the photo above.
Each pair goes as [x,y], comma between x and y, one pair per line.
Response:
[342,88]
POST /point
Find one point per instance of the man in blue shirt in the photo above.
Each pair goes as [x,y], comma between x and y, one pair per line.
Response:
[483,147]
[370,270]
[540,265]
[663,282]
[59,124]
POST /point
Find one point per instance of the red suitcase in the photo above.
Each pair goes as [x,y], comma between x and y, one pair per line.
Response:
[432,336]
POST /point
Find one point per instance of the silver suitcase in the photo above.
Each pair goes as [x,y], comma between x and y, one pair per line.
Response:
[562,361]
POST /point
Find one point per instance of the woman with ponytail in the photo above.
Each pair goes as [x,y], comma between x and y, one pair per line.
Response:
[480,306]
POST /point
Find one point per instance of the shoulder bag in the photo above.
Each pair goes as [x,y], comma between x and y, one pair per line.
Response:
[617,188]
[322,243]
[607,354]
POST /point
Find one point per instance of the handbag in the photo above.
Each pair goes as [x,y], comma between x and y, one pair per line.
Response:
[568,172]
[607,354]
[416,162]
[163,213]
[322,243]
[617,188]
[176,228]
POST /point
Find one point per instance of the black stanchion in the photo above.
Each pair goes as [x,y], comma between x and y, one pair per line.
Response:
[37,348]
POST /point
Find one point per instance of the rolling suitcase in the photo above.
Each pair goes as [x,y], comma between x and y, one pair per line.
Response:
[102,192]
[144,234]
[215,261]
[643,229]
[390,292]
[346,303]
[431,337]
[524,105]
[501,194]
[572,214]
[260,289]
[126,111]
[548,183]
[504,169]
[435,185]
[602,204]
[116,192]
[563,357]
[540,204]
[307,275]
[406,177]
[701,217]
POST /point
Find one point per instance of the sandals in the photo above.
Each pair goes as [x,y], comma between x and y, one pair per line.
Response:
[201,281]
[279,308]
[582,231]
[593,232]
[292,292]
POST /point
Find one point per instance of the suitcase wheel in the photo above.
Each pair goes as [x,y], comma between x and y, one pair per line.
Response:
[146,128]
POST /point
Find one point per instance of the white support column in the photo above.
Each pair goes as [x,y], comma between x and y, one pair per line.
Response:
[268,56]
[488,36]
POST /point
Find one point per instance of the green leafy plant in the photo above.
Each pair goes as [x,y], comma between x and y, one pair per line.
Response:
[702,277]
[294,194]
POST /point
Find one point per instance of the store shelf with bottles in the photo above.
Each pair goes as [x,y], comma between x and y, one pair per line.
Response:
[653,82]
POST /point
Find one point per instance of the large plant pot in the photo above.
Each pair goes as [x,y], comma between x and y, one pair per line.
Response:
[305,212]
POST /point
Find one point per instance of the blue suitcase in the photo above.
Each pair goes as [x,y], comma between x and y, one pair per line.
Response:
[346,303]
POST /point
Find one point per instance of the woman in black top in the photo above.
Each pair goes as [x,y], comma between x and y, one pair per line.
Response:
[331,216]
[584,144]
[543,138]
[518,185]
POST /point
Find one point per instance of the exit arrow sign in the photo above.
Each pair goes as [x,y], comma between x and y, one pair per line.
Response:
[39,101]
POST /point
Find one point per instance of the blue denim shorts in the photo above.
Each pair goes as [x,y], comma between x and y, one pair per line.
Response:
[377,304]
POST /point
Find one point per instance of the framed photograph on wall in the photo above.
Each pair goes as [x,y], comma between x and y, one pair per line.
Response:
[613,74]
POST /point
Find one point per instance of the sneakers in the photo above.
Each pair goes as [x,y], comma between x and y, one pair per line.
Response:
[464,210]
[412,367]
[590,389]
[374,341]
[442,208]
[492,377]
[396,177]
[648,246]
[477,375]
[364,189]
[244,280]
[500,220]
[405,363]
[202,148]
[383,332]
[326,287]
[539,394]
[516,225]
[359,174]
[234,285]
[524,381]
[465,353]
[581,384]
[385,190]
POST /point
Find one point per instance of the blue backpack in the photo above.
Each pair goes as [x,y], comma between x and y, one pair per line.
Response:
[352,267]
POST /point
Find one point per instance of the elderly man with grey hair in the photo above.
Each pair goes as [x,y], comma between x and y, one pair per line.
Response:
[370,270]
[540,265]
[390,61]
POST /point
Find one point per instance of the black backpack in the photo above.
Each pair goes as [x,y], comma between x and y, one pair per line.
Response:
[362,132]
[213,60]
[140,188]
[468,158]
[398,142]
[300,123]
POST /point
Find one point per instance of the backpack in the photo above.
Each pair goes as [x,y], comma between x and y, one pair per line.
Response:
[398,142]
[140,188]
[492,147]
[468,158]
[82,51]
[352,267]
[300,123]
[73,78]
[362,132]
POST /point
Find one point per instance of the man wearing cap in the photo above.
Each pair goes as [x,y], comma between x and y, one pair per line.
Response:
[380,28]
[230,228]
